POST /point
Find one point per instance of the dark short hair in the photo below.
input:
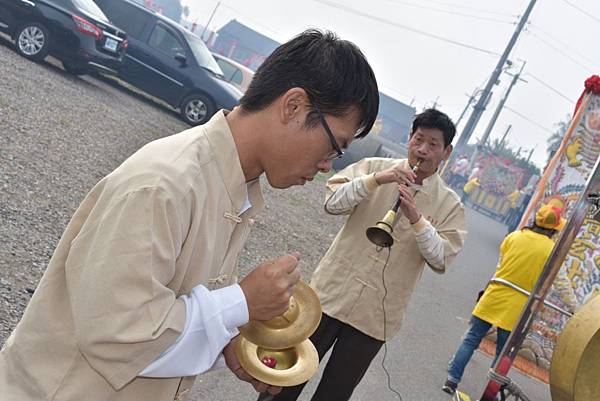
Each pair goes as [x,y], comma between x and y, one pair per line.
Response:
[432,118]
[334,73]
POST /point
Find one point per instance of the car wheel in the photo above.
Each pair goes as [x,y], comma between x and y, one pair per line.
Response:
[33,41]
[196,109]
[74,68]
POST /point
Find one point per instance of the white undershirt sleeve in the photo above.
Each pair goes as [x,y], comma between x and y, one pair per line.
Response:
[430,244]
[212,318]
[350,194]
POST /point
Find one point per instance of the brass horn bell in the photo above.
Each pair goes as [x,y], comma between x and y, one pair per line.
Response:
[381,233]
[283,339]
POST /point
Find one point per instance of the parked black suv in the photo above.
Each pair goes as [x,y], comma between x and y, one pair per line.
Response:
[74,31]
[167,61]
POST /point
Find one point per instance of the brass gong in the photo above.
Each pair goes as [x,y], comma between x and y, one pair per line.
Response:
[575,368]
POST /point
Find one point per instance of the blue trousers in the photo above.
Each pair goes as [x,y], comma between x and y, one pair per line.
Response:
[471,341]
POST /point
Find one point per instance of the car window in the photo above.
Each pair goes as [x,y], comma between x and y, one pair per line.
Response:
[165,41]
[89,7]
[237,77]
[202,54]
[125,16]
[228,69]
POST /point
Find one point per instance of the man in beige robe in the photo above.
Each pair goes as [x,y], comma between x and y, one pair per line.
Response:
[140,295]
[364,289]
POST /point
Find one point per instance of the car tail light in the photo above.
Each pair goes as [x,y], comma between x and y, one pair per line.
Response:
[87,27]
[124,44]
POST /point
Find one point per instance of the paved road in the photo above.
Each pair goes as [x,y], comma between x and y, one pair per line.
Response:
[417,357]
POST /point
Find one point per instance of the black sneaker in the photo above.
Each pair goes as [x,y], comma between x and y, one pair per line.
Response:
[449,387]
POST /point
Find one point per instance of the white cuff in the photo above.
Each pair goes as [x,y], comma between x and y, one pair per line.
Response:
[420,226]
[232,303]
[211,322]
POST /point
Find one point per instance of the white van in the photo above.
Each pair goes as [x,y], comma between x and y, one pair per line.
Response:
[235,73]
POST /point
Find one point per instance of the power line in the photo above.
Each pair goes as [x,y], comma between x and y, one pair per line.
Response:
[452,12]
[550,87]
[444,3]
[528,119]
[585,67]
[499,107]
[408,28]
[479,108]
[565,44]
[581,10]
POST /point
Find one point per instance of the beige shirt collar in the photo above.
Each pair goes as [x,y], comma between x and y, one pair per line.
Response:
[220,137]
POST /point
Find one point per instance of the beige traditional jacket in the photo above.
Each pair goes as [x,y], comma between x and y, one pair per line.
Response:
[163,222]
[348,279]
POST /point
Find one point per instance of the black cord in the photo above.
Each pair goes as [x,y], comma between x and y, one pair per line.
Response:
[389,379]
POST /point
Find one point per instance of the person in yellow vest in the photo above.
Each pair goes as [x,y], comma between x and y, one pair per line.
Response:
[469,187]
[140,295]
[358,317]
[523,254]
[514,197]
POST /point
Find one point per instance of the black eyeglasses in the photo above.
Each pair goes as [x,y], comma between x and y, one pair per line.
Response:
[337,151]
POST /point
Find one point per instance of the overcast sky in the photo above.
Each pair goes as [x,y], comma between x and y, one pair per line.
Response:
[408,43]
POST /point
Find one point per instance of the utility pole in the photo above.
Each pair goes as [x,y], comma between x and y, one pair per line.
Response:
[530,153]
[492,122]
[505,134]
[209,20]
[471,99]
[480,106]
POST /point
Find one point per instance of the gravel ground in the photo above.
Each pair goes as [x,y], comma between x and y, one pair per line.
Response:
[60,134]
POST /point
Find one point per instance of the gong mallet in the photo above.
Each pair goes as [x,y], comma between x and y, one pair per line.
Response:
[381,233]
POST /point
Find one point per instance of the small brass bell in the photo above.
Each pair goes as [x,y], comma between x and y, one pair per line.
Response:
[381,233]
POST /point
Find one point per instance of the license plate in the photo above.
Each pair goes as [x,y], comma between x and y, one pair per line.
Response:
[111,44]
